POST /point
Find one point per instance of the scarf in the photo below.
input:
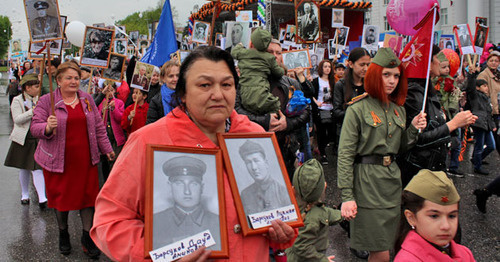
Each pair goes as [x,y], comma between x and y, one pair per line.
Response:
[166,98]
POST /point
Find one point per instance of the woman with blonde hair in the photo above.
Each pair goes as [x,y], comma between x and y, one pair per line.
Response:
[160,104]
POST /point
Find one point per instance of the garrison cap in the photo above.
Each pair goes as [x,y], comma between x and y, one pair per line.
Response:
[434,186]
[41,5]
[385,57]
[442,57]
[250,147]
[184,166]
[29,77]
[309,181]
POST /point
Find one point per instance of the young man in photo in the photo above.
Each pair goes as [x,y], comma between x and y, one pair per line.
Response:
[114,71]
[236,36]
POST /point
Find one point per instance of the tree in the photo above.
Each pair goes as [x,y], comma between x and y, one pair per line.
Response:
[5,34]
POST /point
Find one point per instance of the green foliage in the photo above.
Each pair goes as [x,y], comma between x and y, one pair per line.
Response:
[135,22]
[5,34]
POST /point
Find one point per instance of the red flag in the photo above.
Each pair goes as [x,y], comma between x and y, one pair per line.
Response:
[416,54]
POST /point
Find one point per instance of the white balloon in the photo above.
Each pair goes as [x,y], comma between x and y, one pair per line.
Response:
[75,31]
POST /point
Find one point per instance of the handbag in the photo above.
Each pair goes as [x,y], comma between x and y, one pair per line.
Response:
[326,116]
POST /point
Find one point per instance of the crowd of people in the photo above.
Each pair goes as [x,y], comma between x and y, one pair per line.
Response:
[392,157]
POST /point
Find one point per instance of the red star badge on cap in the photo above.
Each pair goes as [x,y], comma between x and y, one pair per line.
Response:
[444,199]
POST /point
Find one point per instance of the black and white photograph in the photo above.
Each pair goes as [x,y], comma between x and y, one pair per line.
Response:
[120,46]
[218,40]
[308,22]
[134,36]
[237,32]
[282,34]
[297,58]
[464,39]
[314,65]
[141,78]
[255,23]
[334,49]
[480,38]
[341,35]
[99,25]
[200,32]
[55,47]
[187,196]
[370,37]
[290,34]
[337,17]
[118,34]
[15,46]
[97,47]
[43,20]
[115,68]
[482,21]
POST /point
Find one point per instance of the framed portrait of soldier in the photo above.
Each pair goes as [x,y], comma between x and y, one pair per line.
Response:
[120,46]
[55,48]
[334,49]
[200,32]
[44,20]
[341,35]
[184,202]
[464,40]
[96,47]
[337,17]
[370,37]
[120,35]
[141,78]
[480,38]
[237,32]
[297,58]
[307,21]
[259,181]
[134,36]
[116,67]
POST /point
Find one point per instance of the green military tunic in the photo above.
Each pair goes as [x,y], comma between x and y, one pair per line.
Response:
[372,128]
[312,241]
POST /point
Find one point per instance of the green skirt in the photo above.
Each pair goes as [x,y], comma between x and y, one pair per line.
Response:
[375,229]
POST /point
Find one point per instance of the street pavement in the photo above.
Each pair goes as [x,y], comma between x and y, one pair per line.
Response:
[29,234]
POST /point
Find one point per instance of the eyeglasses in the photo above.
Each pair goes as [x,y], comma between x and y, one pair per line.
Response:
[93,41]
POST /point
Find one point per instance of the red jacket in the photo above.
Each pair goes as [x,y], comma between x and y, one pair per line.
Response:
[415,248]
[118,228]
[141,113]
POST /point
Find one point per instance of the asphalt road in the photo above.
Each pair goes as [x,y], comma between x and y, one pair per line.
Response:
[29,234]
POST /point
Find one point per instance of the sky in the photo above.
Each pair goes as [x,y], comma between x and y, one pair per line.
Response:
[90,12]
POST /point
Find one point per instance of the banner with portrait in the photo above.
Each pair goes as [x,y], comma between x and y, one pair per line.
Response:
[307,17]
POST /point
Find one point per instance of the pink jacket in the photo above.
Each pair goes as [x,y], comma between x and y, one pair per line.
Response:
[50,150]
[415,248]
[120,206]
[116,118]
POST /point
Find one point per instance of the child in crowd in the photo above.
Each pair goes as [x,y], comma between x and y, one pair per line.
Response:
[22,149]
[134,119]
[256,65]
[429,221]
[309,185]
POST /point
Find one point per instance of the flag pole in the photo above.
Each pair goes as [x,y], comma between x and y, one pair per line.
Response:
[430,60]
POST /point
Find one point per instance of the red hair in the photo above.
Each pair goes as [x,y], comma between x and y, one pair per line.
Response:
[374,85]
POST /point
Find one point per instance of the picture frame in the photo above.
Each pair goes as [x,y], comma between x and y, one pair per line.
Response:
[308,21]
[116,67]
[63,24]
[218,40]
[175,166]
[118,34]
[337,17]
[290,34]
[341,35]
[297,58]
[43,19]
[437,36]
[134,36]
[96,47]
[120,46]
[200,32]
[282,34]
[237,32]
[141,78]
[244,153]
[243,16]
[394,42]
[55,48]
[482,21]
[256,23]
[447,41]
[481,38]
[464,40]
[370,37]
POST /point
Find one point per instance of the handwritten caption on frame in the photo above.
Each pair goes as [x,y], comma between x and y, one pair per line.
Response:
[182,247]
[263,219]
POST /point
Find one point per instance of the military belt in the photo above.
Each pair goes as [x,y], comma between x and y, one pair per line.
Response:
[375,160]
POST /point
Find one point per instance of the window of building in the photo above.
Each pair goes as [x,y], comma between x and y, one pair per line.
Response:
[387,27]
[444,16]
[386,2]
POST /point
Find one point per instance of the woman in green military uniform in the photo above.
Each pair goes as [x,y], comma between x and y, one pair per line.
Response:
[373,132]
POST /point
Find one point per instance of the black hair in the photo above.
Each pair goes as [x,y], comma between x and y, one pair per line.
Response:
[55,62]
[435,50]
[413,203]
[29,83]
[211,53]
[480,82]
[354,56]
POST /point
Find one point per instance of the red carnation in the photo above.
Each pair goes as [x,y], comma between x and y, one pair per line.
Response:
[448,85]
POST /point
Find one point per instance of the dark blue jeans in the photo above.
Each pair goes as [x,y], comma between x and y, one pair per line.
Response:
[483,137]
[456,145]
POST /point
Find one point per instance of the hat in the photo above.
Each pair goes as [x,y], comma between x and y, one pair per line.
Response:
[309,181]
[201,25]
[184,166]
[434,186]
[249,148]
[41,5]
[261,39]
[385,57]
[442,57]
[28,77]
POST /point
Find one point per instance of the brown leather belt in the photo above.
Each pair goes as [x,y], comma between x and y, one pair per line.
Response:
[375,160]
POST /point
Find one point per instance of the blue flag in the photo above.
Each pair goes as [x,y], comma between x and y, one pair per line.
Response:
[164,41]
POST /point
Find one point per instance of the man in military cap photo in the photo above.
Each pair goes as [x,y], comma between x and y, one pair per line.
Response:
[265,193]
[43,25]
[114,70]
[188,216]
[200,32]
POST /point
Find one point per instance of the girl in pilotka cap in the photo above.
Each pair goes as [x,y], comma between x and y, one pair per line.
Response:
[429,221]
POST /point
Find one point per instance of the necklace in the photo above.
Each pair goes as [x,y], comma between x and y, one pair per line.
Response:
[72,102]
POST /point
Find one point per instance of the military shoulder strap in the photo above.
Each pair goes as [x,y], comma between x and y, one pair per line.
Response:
[357,98]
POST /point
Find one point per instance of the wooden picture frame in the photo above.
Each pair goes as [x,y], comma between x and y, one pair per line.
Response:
[116,67]
[43,19]
[290,35]
[464,39]
[142,80]
[134,36]
[190,164]
[55,48]
[337,17]
[120,46]
[295,58]
[198,35]
[96,47]
[481,38]
[241,152]
[370,38]
[307,21]
[119,35]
